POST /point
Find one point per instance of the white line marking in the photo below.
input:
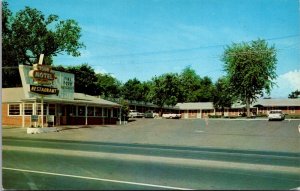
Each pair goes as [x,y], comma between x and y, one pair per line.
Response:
[199,131]
[161,160]
[100,179]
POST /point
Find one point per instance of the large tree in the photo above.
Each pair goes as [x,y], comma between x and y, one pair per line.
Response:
[165,90]
[29,33]
[250,69]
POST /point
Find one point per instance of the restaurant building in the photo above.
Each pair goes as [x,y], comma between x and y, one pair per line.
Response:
[47,98]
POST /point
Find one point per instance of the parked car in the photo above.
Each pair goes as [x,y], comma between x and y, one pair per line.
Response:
[150,114]
[276,115]
[135,114]
[171,115]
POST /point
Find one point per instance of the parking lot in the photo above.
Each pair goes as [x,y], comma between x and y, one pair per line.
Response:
[249,134]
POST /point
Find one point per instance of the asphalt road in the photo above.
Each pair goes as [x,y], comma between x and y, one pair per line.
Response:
[79,159]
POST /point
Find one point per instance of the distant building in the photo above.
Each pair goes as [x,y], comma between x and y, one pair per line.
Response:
[260,107]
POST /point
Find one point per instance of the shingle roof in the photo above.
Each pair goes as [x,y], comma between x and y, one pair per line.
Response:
[277,102]
[12,94]
[195,105]
[17,95]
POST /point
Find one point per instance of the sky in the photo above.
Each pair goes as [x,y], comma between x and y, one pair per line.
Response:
[146,38]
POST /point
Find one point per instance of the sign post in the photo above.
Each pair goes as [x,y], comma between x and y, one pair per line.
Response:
[42,75]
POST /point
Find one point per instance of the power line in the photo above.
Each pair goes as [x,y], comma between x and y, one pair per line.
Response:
[187,49]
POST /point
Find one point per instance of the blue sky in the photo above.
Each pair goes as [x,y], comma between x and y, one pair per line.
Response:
[143,38]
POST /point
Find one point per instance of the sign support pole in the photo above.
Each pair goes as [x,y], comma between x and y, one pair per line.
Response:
[42,110]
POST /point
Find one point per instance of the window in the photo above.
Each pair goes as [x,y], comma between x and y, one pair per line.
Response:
[105,112]
[73,110]
[51,109]
[98,111]
[28,109]
[90,111]
[115,112]
[14,109]
[292,109]
[81,110]
[39,111]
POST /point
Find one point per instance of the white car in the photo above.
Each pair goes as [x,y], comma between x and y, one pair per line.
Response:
[134,114]
[171,115]
[276,115]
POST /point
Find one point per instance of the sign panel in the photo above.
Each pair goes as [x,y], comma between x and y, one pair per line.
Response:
[43,90]
[64,82]
[34,118]
[50,118]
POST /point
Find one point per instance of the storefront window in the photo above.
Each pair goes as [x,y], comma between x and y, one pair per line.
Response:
[115,112]
[81,110]
[90,111]
[38,110]
[28,109]
[73,110]
[14,109]
[51,109]
[105,112]
[98,111]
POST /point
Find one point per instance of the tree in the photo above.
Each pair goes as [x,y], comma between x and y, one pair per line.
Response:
[205,92]
[294,94]
[108,85]
[165,90]
[190,85]
[250,70]
[221,96]
[85,78]
[133,90]
[30,33]
[10,72]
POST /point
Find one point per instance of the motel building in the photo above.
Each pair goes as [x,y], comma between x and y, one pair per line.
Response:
[261,107]
[47,99]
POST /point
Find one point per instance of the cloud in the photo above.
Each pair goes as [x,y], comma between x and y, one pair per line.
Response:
[286,83]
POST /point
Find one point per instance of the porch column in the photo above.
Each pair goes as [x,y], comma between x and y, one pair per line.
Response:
[23,114]
[42,110]
[120,115]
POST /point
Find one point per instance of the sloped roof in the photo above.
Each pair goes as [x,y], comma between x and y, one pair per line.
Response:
[277,102]
[88,98]
[195,105]
[12,94]
[17,95]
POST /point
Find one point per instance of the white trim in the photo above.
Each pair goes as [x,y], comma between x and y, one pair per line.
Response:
[20,109]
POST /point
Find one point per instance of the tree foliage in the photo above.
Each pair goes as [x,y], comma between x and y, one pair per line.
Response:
[165,90]
[133,90]
[250,69]
[294,94]
[194,88]
[108,85]
[30,33]
[85,78]
[190,84]
[221,97]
